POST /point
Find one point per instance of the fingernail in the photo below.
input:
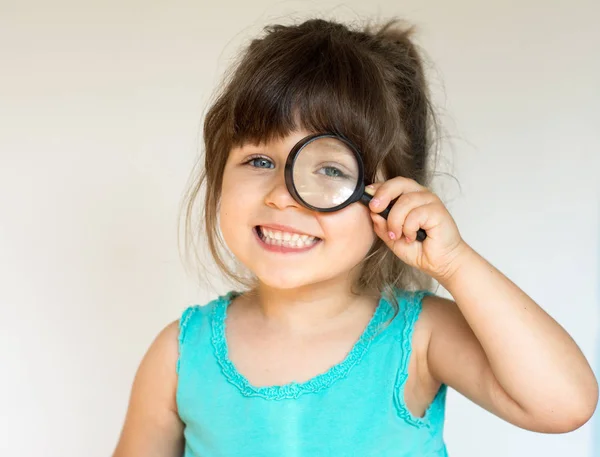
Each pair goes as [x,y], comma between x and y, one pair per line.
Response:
[392,235]
[370,186]
[375,202]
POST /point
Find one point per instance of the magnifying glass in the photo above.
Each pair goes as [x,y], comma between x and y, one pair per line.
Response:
[324,172]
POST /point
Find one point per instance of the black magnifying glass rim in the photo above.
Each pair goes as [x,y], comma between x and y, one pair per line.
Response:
[289,170]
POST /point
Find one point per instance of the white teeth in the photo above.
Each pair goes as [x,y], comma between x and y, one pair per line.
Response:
[292,240]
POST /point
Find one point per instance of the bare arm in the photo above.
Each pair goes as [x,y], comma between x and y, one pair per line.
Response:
[152,426]
[495,345]
[500,349]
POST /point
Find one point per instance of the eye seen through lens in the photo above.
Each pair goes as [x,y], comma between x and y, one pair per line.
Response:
[325,173]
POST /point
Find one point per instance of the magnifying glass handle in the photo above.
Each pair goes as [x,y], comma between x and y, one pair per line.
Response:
[366,198]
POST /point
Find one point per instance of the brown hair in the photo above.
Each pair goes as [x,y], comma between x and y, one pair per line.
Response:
[366,84]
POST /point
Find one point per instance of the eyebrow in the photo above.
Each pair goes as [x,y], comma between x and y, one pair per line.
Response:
[250,148]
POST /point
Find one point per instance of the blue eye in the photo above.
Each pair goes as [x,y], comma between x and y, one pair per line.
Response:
[260,162]
[332,172]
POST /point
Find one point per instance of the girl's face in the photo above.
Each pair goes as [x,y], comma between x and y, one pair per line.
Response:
[284,244]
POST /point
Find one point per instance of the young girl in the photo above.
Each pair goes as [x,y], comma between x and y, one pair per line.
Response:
[335,346]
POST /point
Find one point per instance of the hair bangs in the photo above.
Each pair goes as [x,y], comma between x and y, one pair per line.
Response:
[318,85]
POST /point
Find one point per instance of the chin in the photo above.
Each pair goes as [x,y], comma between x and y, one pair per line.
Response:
[286,280]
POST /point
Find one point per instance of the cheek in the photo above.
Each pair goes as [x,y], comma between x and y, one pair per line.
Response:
[238,193]
[236,202]
[349,226]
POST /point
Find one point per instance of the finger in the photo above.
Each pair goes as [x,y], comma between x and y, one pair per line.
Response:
[381,230]
[405,204]
[380,227]
[419,217]
[389,190]
[371,188]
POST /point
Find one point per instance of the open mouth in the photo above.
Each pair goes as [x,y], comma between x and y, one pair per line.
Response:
[277,238]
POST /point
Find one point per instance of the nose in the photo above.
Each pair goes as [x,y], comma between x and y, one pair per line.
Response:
[278,196]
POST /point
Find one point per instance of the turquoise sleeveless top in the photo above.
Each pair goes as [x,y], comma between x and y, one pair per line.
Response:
[356,408]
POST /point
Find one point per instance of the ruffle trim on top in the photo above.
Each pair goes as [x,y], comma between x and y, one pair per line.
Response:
[293,389]
[411,311]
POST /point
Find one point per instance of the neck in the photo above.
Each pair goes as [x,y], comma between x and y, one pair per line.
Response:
[310,307]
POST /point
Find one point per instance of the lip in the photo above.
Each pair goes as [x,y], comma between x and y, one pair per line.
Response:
[285,228]
[281,249]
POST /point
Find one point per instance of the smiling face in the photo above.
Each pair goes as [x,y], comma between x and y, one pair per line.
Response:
[284,244]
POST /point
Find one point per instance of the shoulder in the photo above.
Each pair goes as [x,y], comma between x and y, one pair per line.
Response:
[156,372]
[167,346]
[417,389]
[195,314]
[416,314]
[441,333]
[168,334]
[425,314]
[439,313]
[161,356]
[415,308]
[195,323]
[152,420]
[189,326]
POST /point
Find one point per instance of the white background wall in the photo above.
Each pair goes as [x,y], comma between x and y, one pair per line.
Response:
[100,112]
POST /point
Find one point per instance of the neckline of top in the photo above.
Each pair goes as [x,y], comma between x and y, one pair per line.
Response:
[293,389]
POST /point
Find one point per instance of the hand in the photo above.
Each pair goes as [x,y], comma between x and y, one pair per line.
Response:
[417,207]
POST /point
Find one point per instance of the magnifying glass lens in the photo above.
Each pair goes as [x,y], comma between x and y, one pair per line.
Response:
[325,173]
